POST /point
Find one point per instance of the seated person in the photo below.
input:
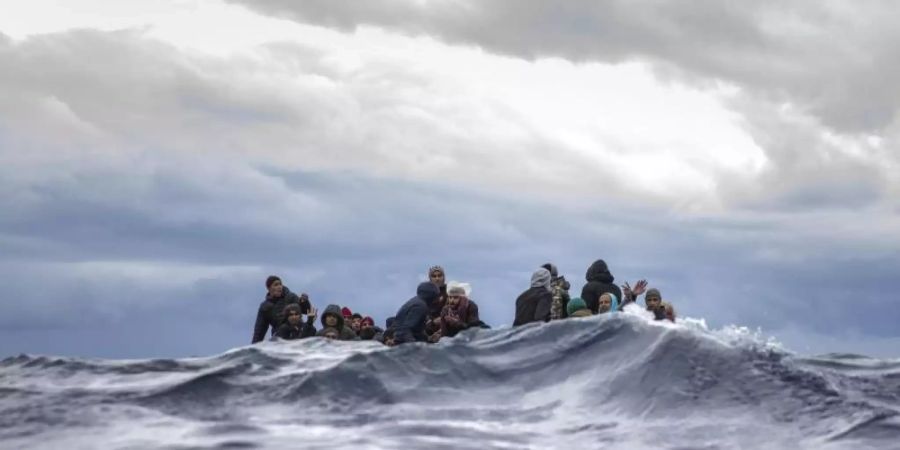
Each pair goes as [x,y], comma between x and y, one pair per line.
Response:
[459,313]
[332,318]
[660,309]
[293,327]
[578,308]
[607,303]
[330,333]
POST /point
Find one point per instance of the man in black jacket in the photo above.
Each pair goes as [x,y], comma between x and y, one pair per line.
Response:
[599,282]
[535,303]
[271,311]
[409,322]
[293,326]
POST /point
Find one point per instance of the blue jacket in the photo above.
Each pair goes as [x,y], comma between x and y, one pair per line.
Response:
[409,322]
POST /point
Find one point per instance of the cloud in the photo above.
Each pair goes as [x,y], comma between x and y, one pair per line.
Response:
[773,49]
[146,194]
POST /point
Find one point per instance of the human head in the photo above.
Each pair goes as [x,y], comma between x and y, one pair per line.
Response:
[541,278]
[330,320]
[356,321]
[428,291]
[389,338]
[653,298]
[437,275]
[367,334]
[367,322]
[346,313]
[455,294]
[274,286]
[292,314]
[575,304]
[332,333]
[554,272]
[607,302]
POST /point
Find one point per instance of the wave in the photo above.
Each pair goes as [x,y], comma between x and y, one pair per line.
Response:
[618,381]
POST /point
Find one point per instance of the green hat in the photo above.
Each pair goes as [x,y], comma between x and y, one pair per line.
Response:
[574,305]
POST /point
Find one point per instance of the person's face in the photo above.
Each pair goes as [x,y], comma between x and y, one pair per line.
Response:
[437,277]
[653,303]
[331,335]
[293,317]
[454,299]
[390,342]
[276,289]
[605,304]
[356,323]
[331,321]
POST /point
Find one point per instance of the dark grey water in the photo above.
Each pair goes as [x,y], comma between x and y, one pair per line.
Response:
[621,382]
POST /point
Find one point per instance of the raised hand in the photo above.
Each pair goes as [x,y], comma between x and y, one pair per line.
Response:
[640,287]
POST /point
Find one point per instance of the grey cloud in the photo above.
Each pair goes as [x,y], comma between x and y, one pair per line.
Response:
[830,58]
[136,225]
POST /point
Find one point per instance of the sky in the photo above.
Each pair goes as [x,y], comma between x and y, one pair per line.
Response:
[159,159]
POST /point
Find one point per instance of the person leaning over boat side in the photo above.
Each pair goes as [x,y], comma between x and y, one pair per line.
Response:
[599,280]
[270,314]
[332,318]
[409,322]
[560,293]
[293,326]
[534,304]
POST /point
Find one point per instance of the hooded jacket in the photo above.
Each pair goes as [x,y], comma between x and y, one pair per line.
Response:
[534,304]
[271,313]
[346,333]
[409,322]
[300,331]
[599,281]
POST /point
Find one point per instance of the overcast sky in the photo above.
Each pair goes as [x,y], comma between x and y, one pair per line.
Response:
[158,159]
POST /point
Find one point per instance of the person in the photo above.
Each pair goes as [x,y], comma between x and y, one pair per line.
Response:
[270,314]
[560,292]
[607,303]
[599,281]
[534,304]
[577,308]
[347,314]
[409,322]
[332,318]
[388,338]
[293,326]
[330,333]
[661,310]
[356,322]
[459,313]
[438,276]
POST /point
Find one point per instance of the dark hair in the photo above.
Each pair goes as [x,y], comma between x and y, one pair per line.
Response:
[388,322]
[356,316]
[367,334]
[270,280]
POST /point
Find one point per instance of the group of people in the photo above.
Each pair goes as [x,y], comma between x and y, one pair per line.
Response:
[442,309]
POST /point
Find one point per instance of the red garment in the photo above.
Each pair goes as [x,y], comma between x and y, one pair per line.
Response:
[368,320]
[345,311]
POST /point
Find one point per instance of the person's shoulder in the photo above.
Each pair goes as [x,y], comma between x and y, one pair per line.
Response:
[265,305]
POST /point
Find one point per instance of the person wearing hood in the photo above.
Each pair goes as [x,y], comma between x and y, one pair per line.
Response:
[577,308]
[534,304]
[270,314]
[438,276]
[293,326]
[660,309]
[607,303]
[409,322]
[332,318]
[560,292]
[599,281]
[459,313]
